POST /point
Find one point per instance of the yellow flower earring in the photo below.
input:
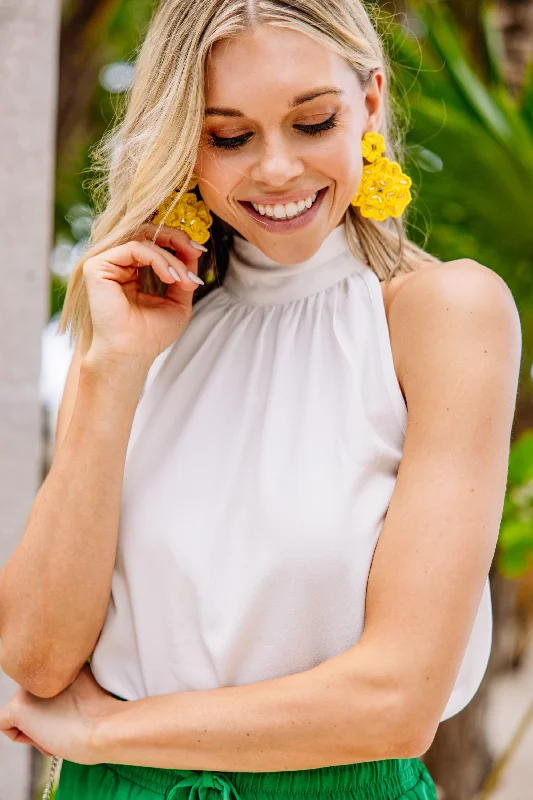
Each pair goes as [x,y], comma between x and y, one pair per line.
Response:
[189,213]
[384,190]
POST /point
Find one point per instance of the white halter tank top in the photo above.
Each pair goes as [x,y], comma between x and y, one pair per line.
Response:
[262,459]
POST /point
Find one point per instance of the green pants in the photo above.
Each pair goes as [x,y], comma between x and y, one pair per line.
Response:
[391,779]
[397,779]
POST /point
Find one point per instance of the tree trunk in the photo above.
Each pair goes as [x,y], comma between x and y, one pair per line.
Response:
[514,18]
[29,33]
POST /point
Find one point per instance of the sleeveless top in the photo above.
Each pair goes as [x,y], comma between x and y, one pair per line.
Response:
[262,458]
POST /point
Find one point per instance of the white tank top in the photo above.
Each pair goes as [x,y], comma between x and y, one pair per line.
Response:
[262,459]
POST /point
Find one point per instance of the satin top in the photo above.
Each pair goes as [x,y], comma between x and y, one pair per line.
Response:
[262,459]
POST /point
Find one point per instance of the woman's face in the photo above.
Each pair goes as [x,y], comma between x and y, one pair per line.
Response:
[283,125]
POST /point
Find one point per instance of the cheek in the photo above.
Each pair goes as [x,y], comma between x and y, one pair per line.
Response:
[344,163]
[216,180]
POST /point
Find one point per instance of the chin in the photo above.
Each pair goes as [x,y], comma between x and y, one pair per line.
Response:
[291,254]
[290,249]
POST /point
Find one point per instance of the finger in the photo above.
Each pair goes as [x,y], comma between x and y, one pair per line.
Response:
[175,238]
[181,268]
[6,718]
[121,262]
[20,738]
[11,733]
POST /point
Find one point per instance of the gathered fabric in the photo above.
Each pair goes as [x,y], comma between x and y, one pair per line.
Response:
[391,779]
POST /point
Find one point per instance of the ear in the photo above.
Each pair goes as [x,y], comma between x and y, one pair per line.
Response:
[374,101]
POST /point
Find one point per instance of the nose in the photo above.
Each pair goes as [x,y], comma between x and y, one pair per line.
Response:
[278,163]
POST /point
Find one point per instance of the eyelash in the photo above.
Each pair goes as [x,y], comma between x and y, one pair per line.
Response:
[234,142]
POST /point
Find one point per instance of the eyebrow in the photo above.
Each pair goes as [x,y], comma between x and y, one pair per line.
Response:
[218,111]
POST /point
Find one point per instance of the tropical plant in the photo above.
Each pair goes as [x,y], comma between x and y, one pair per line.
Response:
[515,543]
[471,144]
[95,34]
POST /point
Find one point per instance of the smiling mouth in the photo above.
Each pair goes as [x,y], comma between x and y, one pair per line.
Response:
[284,212]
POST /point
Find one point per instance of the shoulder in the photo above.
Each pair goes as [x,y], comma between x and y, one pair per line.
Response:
[460,281]
[455,311]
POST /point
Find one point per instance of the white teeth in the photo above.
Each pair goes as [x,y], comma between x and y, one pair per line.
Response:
[287,211]
[291,209]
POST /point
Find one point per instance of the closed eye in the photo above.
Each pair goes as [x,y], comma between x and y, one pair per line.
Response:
[234,142]
[319,127]
[231,142]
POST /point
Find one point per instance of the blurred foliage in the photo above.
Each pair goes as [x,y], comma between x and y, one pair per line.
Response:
[515,544]
[469,150]
[117,43]
[94,33]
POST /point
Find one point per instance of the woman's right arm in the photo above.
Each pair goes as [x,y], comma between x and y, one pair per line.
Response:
[55,587]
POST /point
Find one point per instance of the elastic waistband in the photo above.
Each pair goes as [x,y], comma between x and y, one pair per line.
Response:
[366,780]
[369,780]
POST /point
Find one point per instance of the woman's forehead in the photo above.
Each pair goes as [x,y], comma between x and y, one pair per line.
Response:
[274,63]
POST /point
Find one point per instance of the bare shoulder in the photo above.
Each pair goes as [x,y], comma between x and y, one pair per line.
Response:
[461,275]
[459,302]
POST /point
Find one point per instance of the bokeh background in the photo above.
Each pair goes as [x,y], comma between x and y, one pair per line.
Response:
[463,84]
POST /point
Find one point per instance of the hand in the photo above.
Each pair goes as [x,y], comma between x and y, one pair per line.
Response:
[130,323]
[62,725]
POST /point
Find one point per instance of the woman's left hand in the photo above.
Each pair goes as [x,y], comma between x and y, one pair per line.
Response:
[62,725]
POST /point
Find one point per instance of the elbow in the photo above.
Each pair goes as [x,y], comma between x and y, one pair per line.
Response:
[414,729]
[40,679]
[414,744]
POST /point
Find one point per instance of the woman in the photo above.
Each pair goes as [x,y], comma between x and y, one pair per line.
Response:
[257,626]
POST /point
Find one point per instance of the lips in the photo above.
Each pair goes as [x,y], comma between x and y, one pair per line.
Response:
[285,210]
[291,223]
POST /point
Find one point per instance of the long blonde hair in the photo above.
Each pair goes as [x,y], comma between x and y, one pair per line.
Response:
[153,145]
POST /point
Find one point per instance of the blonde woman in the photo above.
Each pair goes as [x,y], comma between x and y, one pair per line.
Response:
[273,506]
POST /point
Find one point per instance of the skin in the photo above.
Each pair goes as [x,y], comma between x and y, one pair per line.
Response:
[456,338]
[279,159]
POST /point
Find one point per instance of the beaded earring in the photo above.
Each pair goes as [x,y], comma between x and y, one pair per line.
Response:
[189,213]
[384,190]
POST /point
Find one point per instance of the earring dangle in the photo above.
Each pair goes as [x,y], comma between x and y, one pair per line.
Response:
[384,189]
[189,213]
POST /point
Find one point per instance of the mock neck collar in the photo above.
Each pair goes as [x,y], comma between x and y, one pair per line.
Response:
[257,279]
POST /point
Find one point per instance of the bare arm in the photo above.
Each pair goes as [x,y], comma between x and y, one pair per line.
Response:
[55,587]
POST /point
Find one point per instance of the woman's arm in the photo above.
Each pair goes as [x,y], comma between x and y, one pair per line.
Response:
[65,558]
[457,334]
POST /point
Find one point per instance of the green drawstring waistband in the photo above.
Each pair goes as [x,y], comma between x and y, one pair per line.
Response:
[199,782]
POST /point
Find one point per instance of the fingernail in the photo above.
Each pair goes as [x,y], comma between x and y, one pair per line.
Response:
[174,274]
[195,278]
[197,245]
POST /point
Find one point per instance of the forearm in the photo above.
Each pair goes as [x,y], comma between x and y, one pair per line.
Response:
[305,720]
[55,588]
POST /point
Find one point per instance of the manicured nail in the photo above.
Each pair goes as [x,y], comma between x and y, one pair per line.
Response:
[174,274]
[197,245]
[195,278]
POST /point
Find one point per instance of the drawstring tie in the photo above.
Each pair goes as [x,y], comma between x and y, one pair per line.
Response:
[201,782]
